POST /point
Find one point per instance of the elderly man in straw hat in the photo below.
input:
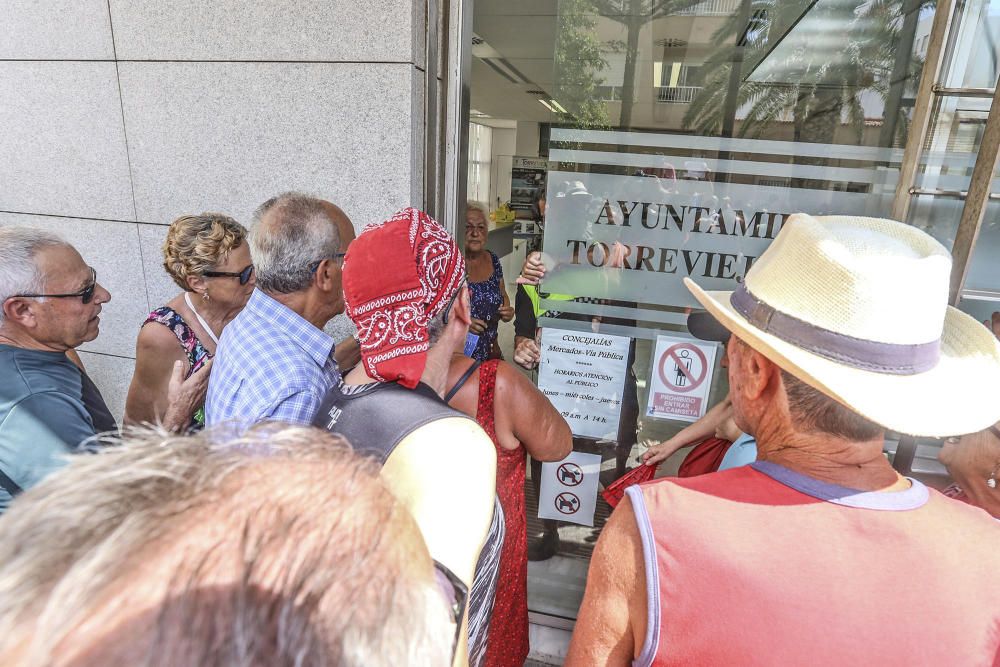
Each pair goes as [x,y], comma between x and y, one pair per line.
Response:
[819,553]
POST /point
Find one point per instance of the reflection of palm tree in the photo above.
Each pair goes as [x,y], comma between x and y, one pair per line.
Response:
[634,15]
[821,94]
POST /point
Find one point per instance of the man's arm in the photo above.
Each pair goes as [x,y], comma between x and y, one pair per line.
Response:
[611,626]
[298,407]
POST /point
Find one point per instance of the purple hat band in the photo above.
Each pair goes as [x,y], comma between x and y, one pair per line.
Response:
[869,355]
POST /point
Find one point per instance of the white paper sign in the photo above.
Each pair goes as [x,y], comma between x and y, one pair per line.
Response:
[680,379]
[569,488]
[583,374]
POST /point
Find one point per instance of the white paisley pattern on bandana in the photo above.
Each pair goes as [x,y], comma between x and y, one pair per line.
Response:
[394,323]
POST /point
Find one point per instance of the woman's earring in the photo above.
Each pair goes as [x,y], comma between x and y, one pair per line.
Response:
[205,296]
[992,481]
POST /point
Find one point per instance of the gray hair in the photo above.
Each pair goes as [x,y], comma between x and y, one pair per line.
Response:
[435,327]
[814,411]
[19,273]
[297,233]
[279,547]
[476,206]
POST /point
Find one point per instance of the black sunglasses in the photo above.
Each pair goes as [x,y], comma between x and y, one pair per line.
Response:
[243,275]
[451,301]
[337,257]
[86,294]
[456,594]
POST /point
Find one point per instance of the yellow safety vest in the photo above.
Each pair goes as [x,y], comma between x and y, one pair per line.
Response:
[532,293]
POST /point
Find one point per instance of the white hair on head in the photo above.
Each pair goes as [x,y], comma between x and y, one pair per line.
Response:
[19,273]
[472,205]
[297,233]
[278,547]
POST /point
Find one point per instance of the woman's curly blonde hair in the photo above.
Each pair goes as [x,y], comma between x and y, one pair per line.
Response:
[199,243]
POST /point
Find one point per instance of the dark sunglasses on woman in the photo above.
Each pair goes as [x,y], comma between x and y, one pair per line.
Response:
[243,275]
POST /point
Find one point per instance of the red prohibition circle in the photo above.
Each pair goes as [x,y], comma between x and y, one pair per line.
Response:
[695,382]
[570,498]
[573,471]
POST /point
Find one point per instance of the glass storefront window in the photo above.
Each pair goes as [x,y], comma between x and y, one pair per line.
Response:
[678,138]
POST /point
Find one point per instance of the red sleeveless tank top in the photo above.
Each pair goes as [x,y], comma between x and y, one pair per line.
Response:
[759,565]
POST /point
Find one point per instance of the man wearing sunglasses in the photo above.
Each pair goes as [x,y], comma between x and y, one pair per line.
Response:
[274,361]
[50,303]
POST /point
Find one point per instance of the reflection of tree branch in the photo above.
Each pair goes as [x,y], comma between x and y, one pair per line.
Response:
[827,93]
[579,60]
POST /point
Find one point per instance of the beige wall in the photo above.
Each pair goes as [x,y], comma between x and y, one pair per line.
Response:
[117,116]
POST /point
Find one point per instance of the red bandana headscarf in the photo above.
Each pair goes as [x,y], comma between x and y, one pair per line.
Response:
[398,275]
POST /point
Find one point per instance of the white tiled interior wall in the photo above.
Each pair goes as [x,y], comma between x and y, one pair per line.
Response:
[118,116]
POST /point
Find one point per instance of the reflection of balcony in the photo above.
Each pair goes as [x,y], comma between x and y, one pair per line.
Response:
[676,94]
[664,94]
[710,8]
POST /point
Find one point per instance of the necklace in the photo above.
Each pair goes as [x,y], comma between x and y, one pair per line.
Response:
[204,324]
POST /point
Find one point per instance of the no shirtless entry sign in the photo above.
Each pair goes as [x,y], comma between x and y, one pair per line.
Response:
[680,378]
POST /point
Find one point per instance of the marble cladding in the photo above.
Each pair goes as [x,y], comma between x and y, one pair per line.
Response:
[278,30]
[62,146]
[55,29]
[226,136]
[119,115]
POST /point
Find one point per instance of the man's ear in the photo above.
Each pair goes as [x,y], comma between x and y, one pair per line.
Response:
[20,311]
[762,376]
[462,309]
[325,275]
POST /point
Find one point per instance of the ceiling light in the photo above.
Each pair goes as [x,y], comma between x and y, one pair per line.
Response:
[558,106]
[547,105]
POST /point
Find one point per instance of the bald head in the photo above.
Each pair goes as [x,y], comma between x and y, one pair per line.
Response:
[207,550]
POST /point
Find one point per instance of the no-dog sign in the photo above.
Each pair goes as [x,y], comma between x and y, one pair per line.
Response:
[681,378]
[569,488]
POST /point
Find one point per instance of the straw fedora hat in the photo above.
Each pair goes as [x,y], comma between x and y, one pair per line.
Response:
[858,308]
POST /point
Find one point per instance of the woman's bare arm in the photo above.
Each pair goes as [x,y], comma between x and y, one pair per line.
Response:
[530,416]
[156,350]
[689,435]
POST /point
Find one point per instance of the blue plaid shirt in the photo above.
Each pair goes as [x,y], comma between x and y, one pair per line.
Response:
[270,364]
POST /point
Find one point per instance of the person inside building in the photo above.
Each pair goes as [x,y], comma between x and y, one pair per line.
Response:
[973,460]
[527,354]
[840,331]
[490,302]
[274,360]
[208,257]
[520,421]
[404,285]
[49,407]
[213,550]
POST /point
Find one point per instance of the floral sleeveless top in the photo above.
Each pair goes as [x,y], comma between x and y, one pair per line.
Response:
[196,353]
[486,302]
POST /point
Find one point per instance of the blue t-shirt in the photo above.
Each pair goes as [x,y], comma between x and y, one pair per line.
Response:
[48,408]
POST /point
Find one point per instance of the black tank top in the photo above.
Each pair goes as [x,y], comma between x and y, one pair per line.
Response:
[375,418]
